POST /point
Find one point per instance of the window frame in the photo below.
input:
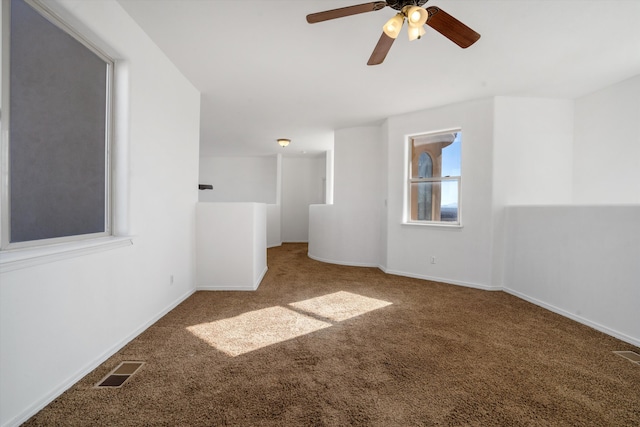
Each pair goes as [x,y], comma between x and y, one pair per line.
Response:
[5,223]
[409,180]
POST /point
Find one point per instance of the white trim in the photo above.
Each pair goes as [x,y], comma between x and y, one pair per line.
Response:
[89,367]
[619,335]
[445,281]
[29,257]
[209,288]
[349,264]
[234,287]
[443,224]
[264,272]
[4,120]
[54,18]
[411,275]
[435,179]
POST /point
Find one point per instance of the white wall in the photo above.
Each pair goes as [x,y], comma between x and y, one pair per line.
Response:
[532,160]
[60,319]
[302,185]
[579,261]
[463,255]
[607,145]
[231,246]
[348,232]
[533,148]
[384,212]
[239,179]
[328,175]
[582,260]
[245,180]
[288,185]
[274,231]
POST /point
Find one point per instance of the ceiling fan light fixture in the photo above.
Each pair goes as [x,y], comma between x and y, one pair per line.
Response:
[416,32]
[393,26]
[416,15]
[283,142]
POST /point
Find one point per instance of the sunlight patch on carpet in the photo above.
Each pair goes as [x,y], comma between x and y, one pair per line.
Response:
[257,329]
[339,306]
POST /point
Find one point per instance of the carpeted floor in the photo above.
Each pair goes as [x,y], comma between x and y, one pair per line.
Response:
[326,345]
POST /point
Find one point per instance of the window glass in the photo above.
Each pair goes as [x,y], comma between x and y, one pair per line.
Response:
[59,116]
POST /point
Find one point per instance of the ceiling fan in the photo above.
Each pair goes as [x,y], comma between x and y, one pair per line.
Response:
[416,17]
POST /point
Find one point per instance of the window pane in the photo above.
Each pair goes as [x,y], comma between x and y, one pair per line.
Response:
[449,201]
[434,201]
[441,150]
[424,201]
[425,166]
[451,157]
[57,133]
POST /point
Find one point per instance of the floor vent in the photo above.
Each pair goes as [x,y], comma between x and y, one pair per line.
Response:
[630,355]
[120,375]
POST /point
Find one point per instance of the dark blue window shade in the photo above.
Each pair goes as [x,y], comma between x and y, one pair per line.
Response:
[57,131]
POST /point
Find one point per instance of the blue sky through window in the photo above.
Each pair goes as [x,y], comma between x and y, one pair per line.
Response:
[451,167]
[451,157]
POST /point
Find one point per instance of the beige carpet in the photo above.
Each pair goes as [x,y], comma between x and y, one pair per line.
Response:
[326,345]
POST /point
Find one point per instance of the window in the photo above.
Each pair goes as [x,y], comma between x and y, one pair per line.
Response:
[56,119]
[434,178]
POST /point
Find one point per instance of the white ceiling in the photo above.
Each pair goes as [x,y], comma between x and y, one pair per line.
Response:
[264,73]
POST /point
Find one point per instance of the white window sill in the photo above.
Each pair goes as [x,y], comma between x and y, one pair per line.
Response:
[16,259]
[442,225]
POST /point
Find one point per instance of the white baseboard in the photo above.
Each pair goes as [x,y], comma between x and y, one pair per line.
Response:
[604,329]
[234,287]
[350,264]
[260,278]
[225,288]
[52,395]
[405,274]
[442,280]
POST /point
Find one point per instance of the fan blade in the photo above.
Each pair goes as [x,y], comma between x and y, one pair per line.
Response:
[451,28]
[345,11]
[381,50]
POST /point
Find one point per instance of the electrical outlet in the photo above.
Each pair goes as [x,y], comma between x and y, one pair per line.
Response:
[433,260]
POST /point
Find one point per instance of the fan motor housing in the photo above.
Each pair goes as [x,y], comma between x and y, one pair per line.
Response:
[400,4]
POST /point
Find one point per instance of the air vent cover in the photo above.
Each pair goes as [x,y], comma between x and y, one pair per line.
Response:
[630,355]
[120,375]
